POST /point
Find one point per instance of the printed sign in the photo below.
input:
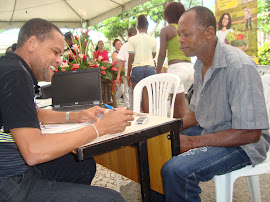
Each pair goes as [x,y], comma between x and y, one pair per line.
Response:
[237,24]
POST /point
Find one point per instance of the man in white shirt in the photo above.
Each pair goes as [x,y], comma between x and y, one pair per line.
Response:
[142,50]
[124,89]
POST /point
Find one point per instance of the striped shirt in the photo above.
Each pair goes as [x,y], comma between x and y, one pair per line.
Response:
[231,97]
[17,110]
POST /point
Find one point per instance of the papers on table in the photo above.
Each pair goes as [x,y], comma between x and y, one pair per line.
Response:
[42,103]
[61,128]
[68,127]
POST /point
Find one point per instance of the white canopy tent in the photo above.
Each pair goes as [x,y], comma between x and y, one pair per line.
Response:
[63,13]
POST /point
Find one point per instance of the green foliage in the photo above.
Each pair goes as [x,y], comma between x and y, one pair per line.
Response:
[264,54]
[263,15]
[191,3]
[116,27]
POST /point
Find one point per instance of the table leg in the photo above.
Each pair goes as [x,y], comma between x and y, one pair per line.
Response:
[175,141]
[114,101]
[105,93]
[144,171]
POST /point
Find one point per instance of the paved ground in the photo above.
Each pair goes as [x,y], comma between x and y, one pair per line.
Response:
[130,190]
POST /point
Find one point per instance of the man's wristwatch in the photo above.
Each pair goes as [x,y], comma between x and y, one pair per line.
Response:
[67,117]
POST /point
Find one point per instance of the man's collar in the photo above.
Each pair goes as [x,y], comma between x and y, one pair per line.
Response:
[17,57]
[219,60]
[219,57]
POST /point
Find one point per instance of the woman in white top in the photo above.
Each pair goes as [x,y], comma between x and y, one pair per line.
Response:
[117,45]
[224,26]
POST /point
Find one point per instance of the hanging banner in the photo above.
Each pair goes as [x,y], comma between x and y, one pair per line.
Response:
[237,24]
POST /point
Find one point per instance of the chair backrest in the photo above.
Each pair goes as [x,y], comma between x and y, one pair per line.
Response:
[263,69]
[266,90]
[159,86]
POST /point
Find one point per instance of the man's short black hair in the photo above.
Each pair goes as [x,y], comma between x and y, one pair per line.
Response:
[37,27]
[132,31]
[14,47]
[68,35]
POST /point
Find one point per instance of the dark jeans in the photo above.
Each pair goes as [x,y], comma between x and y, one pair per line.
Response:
[181,174]
[141,72]
[63,179]
[248,22]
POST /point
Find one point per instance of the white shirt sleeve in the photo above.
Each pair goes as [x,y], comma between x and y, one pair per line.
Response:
[121,54]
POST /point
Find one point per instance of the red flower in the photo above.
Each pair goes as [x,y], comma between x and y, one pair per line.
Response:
[114,69]
[64,61]
[75,66]
[114,64]
[113,84]
[85,43]
[102,72]
[86,33]
[94,66]
[84,58]
[76,38]
[102,67]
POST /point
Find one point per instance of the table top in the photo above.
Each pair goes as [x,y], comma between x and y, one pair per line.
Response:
[134,134]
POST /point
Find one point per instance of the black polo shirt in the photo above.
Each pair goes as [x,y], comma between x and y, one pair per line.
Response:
[17,110]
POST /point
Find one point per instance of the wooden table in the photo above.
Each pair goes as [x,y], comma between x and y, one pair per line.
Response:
[106,93]
[131,152]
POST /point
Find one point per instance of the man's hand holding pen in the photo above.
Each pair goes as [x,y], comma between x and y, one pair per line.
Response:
[114,121]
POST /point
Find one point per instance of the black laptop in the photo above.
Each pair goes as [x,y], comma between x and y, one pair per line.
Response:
[76,90]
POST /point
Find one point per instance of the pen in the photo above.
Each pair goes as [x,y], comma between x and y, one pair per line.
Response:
[110,107]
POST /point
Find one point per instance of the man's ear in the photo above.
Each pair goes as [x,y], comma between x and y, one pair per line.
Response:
[32,43]
[210,32]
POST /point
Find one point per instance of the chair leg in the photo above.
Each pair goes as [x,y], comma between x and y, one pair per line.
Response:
[254,188]
[117,182]
[224,188]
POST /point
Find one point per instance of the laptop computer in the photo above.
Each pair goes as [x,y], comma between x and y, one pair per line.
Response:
[45,91]
[76,90]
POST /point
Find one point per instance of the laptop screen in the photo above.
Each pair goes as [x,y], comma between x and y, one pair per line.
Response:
[76,88]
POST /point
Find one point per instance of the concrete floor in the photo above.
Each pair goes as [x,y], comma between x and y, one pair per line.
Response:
[130,190]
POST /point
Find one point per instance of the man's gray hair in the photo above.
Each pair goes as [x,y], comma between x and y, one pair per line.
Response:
[204,17]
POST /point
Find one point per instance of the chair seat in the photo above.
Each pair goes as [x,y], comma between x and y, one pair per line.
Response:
[224,183]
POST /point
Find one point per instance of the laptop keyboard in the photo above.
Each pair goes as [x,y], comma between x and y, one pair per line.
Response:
[74,108]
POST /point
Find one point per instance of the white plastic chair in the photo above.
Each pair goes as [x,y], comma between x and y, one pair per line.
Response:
[159,86]
[224,183]
[263,69]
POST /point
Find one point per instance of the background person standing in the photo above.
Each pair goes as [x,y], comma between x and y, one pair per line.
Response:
[117,45]
[179,64]
[247,18]
[142,50]
[124,89]
[100,52]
